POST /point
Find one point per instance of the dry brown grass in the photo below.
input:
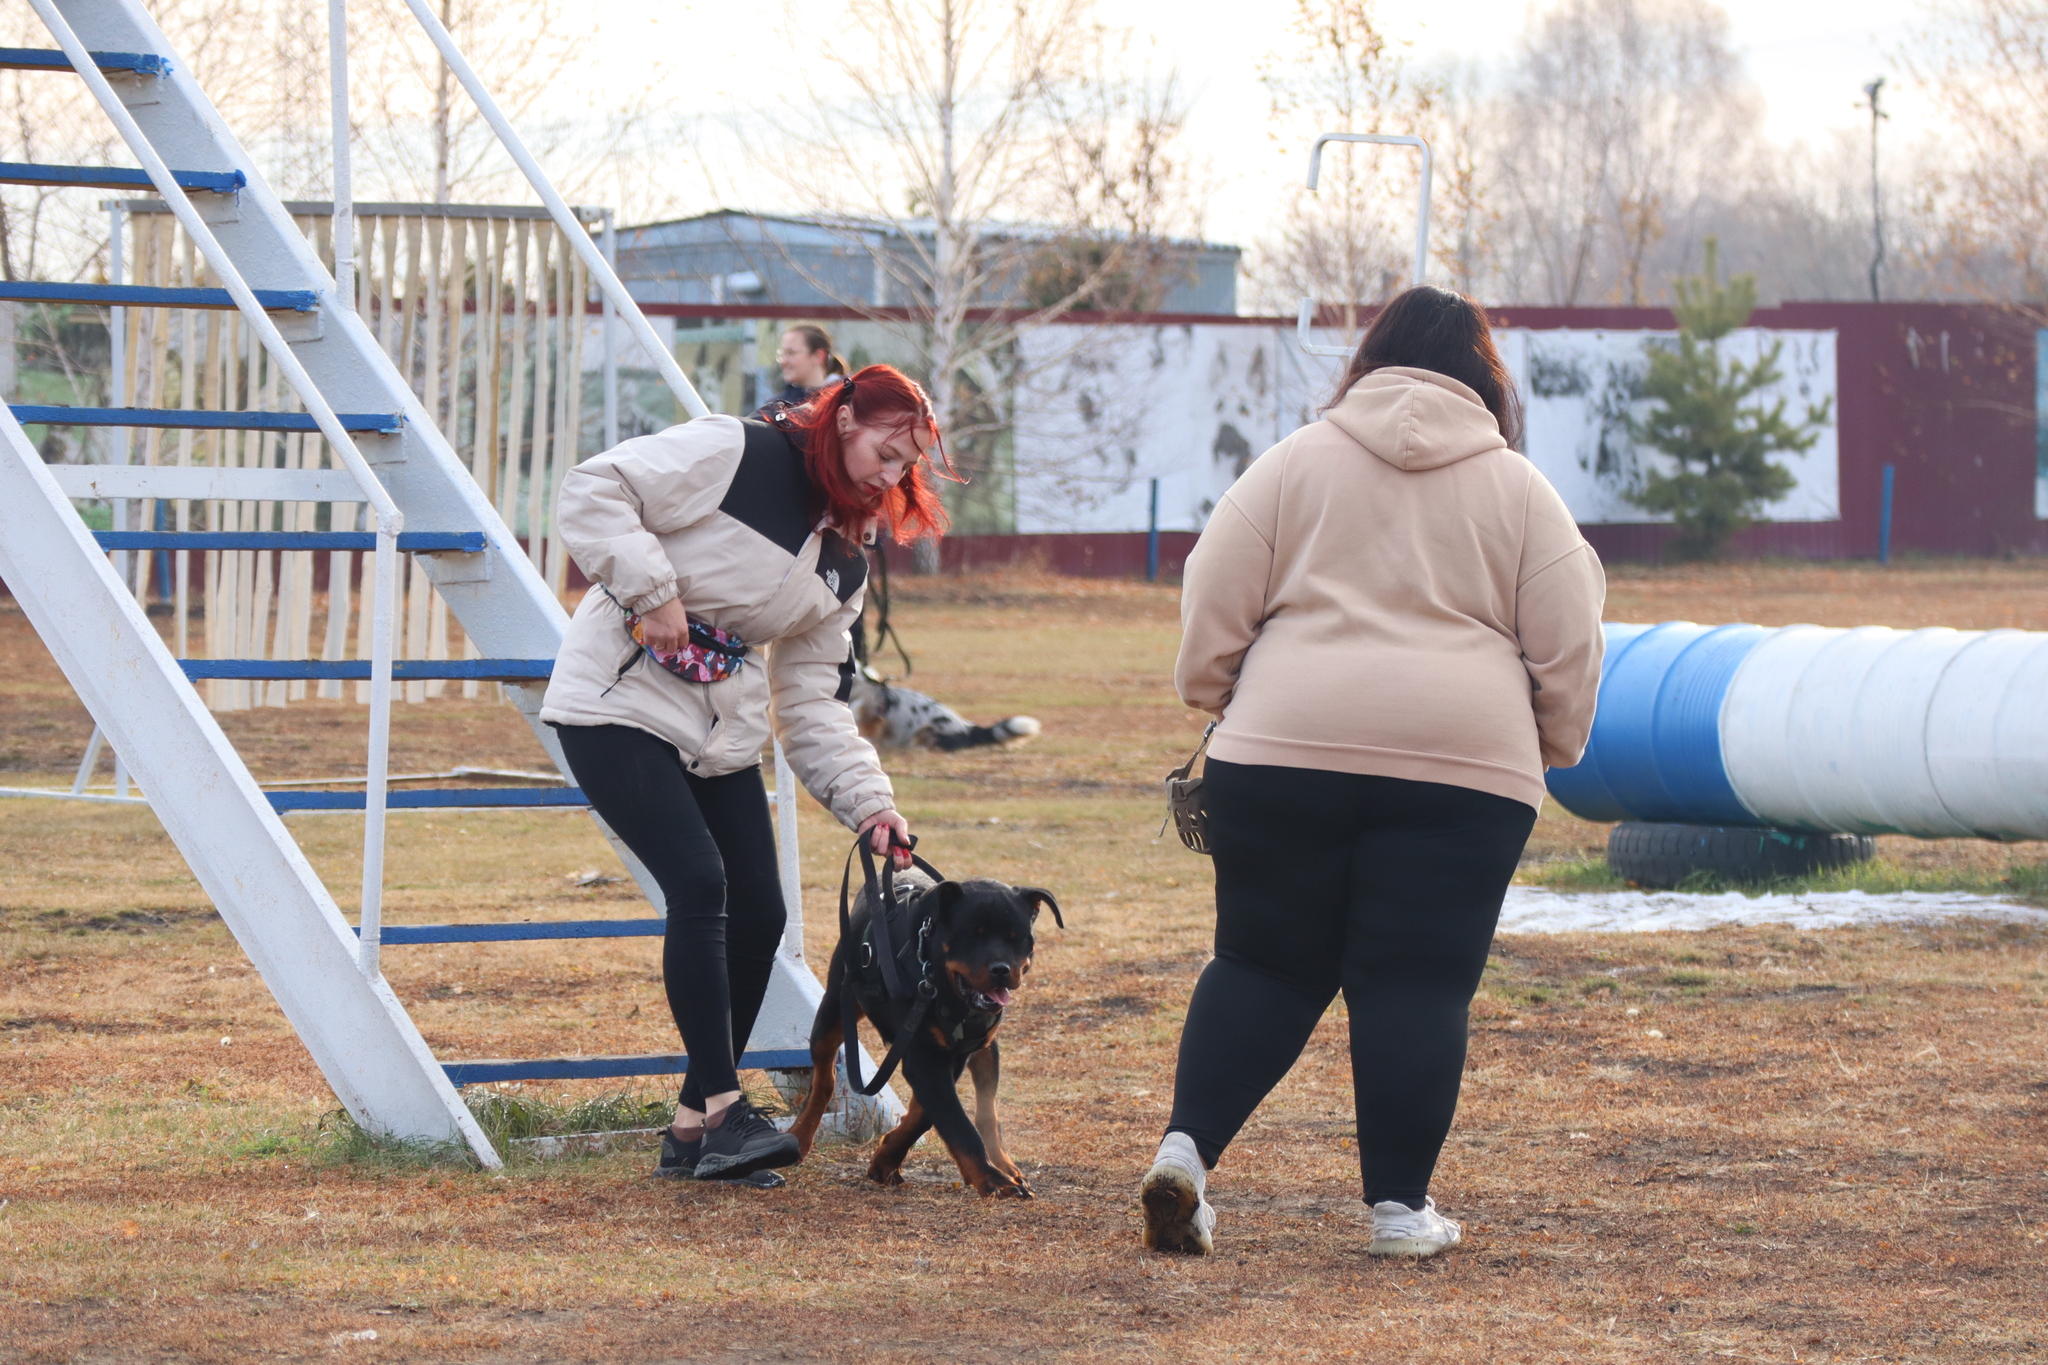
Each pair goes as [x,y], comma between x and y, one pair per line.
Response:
[1835,1150]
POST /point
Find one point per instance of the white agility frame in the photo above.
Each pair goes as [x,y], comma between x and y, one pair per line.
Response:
[250,867]
[389,520]
[1305,319]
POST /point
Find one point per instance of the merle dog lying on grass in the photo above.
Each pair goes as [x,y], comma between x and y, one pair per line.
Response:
[958,951]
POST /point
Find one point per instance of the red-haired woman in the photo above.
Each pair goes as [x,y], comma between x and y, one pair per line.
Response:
[727,561]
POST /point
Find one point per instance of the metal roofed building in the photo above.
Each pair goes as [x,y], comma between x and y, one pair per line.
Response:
[734,257]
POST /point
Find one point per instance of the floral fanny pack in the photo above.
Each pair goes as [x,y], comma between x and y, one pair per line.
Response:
[712,655]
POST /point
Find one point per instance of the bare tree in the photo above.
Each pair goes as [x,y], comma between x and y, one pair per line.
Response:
[415,129]
[1006,164]
[1348,243]
[1467,222]
[1986,64]
[1621,119]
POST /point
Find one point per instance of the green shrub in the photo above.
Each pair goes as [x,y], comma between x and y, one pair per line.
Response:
[1709,418]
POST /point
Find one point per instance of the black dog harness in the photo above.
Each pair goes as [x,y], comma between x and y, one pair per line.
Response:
[893,958]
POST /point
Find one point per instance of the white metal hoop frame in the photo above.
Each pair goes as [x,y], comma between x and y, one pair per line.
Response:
[1305,320]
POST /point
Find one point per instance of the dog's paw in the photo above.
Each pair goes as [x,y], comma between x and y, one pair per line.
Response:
[1007,1187]
[889,1177]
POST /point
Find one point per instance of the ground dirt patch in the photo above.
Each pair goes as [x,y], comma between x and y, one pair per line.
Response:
[1748,1144]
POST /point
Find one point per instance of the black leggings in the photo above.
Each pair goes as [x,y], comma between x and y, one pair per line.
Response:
[710,843]
[1380,887]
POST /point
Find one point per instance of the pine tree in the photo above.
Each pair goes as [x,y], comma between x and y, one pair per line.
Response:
[1709,419]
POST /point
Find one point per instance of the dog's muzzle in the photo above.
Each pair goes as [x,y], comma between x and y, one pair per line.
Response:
[988,1002]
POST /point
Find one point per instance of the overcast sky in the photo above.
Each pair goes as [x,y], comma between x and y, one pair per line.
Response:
[1808,58]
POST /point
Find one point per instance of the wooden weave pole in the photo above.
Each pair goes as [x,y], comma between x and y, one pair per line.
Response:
[483,315]
[538,450]
[515,422]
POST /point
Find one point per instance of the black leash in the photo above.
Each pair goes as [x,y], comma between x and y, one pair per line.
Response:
[885,631]
[882,899]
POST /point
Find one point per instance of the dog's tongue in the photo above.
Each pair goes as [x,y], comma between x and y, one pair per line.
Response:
[1000,999]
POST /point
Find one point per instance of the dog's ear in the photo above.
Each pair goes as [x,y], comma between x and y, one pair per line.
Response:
[1037,896]
[948,894]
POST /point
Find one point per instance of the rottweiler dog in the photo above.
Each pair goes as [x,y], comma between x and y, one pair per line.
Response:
[972,942]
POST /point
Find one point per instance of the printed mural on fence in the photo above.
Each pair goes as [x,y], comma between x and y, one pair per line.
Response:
[1098,412]
[2041,424]
[1581,388]
[1102,412]
[1192,405]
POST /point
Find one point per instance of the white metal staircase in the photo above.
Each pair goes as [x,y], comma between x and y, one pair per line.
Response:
[324,972]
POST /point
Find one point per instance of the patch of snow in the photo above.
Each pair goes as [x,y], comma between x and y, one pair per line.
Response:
[1539,910]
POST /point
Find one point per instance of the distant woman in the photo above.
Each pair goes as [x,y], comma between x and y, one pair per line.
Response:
[727,561]
[808,363]
[1398,625]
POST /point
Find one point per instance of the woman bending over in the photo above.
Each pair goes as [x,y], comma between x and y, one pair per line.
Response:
[727,558]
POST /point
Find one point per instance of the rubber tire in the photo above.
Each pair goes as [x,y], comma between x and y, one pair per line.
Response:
[1661,856]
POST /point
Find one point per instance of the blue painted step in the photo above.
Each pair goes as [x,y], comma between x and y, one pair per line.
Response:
[152,296]
[46,59]
[198,419]
[114,178]
[608,1068]
[519,933]
[438,798]
[410,542]
[358,670]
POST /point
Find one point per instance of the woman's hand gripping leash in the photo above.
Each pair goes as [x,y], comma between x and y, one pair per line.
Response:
[888,832]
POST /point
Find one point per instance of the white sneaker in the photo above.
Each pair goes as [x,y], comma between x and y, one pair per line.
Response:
[1398,1230]
[1177,1217]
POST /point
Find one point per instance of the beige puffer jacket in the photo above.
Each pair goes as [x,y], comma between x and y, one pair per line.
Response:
[717,513]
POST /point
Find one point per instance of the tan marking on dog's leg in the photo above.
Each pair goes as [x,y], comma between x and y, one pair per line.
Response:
[985,1067]
[984,1179]
[886,1168]
[824,1065]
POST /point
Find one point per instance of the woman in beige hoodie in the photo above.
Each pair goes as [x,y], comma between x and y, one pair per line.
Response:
[1397,623]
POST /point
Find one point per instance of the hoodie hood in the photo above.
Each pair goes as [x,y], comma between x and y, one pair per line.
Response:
[1416,419]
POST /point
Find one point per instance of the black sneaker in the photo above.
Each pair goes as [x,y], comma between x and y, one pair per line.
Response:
[678,1158]
[744,1142]
[679,1162]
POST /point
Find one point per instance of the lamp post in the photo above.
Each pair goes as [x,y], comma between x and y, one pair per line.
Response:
[1871,93]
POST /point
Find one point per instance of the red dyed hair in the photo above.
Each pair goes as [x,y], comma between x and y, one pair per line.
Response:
[879,396]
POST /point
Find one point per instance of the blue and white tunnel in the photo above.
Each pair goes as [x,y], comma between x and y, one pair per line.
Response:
[1934,733]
